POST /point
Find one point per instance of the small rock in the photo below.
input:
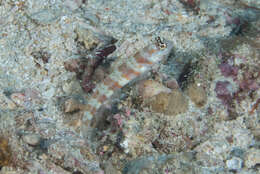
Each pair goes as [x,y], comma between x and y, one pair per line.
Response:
[234,163]
[170,104]
[197,95]
[32,139]
[172,84]
[252,158]
[72,105]
[5,152]
[150,88]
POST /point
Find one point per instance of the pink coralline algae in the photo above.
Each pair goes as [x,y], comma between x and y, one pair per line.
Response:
[223,90]
[249,82]
[228,70]
[247,85]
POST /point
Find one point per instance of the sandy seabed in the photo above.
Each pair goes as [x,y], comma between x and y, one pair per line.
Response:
[197,111]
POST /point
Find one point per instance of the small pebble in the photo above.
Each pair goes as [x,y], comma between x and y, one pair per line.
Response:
[32,139]
[234,163]
[172,84]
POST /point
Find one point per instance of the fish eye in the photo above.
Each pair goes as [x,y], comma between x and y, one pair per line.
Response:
[160,43]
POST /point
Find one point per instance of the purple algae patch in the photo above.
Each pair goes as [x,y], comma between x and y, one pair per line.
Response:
[228,70]
[224,92]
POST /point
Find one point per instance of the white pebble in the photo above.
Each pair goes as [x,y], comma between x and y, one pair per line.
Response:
[32,139]
[234,163]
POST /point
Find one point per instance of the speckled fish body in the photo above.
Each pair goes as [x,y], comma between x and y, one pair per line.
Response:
[125,72]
